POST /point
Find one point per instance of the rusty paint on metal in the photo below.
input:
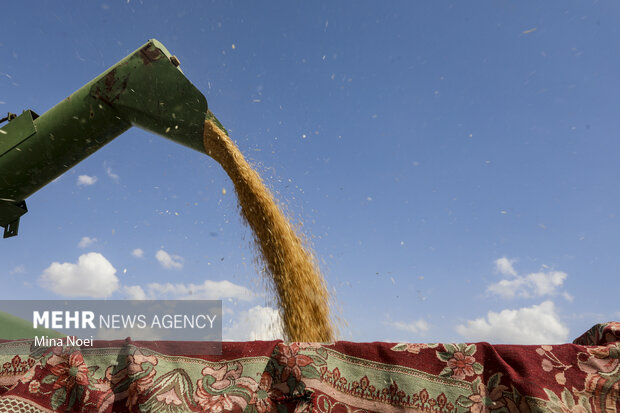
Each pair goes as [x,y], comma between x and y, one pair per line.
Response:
[150,54]
[113,88]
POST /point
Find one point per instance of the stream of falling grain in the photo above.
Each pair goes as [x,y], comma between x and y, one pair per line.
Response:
[300,287]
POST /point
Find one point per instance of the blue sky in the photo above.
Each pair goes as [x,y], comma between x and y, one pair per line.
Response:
[454,163]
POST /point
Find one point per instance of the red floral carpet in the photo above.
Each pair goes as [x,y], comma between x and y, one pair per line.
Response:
[306,377]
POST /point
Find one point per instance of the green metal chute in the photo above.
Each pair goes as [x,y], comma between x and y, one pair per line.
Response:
[146,89]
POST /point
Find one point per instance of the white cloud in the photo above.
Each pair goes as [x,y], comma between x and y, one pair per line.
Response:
[86,242]
[504,266]
[18,269]
[415,327]
[85,180]
[134,292]
[138,253]
[208,290]
[169,261]
[258,323]
[538,324]
[92,276]
[535,284]
[111,174]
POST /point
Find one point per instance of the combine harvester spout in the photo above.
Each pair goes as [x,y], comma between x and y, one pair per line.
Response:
[146,89]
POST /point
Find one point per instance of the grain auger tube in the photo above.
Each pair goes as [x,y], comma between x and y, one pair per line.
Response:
[146,89]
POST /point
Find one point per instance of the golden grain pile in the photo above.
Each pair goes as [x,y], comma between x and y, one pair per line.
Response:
[301,291]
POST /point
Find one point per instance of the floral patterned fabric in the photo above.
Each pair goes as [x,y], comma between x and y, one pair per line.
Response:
[308,377]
